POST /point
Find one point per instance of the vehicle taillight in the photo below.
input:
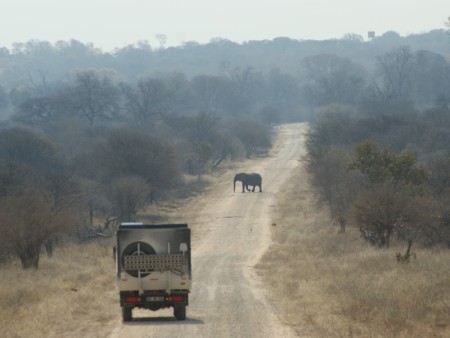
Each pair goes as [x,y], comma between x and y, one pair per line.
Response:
[176,298]
[132,299]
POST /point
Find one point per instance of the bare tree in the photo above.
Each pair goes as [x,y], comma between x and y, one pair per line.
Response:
[245,78]
[335,185]
[395,69]
[162,39]
[92,96]
[37,110]
[332,79]
[148,100]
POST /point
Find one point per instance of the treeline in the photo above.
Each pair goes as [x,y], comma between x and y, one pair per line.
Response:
[382,162]
[277,72]
[191,58]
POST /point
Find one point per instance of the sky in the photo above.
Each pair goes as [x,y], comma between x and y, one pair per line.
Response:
[111,24]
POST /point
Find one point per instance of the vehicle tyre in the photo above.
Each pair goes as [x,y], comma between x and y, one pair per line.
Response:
[180,312]
[137,248]
[127,314]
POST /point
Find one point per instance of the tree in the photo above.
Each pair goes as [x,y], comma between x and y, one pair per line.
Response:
[380,166]
[332,79]
[201,133]
[131,153]
[395,183]
[180,97]
[36,194]
[352,38]
[384,208]
[129,193]
[93,197]
[30,154]
[31,220]
[379,210]
[395,69]
[282,91]
[208,90]
[245,79]
[93,96]
[216,94]
[149,99]
[335,185]
[162,39]
[37,110]
[253,135]
[431,79]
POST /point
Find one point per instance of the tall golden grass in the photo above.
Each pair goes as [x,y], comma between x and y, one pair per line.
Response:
[330,284]
[71,294]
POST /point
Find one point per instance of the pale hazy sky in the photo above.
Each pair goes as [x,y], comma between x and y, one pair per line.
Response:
[110,24]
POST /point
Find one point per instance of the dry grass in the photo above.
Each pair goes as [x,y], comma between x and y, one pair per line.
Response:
[74,287]
[335,285]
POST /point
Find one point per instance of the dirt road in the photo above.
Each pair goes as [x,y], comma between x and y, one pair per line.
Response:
[231,231]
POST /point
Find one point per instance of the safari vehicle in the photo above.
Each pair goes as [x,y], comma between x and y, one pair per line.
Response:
[153,266]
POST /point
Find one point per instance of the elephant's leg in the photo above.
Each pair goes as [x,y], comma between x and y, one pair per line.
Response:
[248,189]
[253,190]
[243,186]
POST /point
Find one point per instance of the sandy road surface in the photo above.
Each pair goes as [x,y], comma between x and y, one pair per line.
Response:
[231,231]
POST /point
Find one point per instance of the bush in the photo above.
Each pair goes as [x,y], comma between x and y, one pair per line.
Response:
[31,220]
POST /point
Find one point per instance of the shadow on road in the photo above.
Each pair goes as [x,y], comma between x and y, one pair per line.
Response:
[163,321]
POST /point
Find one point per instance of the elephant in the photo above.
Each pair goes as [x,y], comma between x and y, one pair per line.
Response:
[252,179]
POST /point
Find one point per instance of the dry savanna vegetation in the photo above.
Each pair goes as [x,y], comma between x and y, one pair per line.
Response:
[70,295]
[325,283]
[332,284]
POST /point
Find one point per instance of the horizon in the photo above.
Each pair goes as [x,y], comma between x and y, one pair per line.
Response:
[113,25]
[213,40]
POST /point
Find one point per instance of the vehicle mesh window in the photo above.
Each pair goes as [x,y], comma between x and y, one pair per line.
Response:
[147,263]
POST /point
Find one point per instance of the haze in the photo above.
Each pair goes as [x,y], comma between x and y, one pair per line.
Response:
[115,24]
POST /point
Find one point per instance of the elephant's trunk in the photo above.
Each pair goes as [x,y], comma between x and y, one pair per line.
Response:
[236,178]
